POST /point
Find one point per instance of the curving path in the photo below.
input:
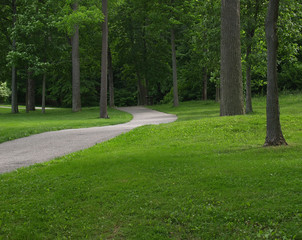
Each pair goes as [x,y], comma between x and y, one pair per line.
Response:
[49,145]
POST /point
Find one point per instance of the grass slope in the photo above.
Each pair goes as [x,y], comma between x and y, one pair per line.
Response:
[14,126]
[208,178]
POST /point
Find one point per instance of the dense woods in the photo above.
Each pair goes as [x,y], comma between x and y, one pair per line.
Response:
[51,51]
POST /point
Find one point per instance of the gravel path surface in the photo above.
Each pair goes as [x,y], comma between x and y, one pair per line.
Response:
[49,145]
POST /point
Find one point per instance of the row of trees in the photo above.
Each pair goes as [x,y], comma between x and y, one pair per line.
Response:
[158,51]
[231,70]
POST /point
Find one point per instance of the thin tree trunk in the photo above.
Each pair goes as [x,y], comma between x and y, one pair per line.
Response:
[26,98]
[274,136]
[14,77]
[231,72]
[205,85]
[250,32]
[174,70]
[111,84]
[103,98]
[31,92]
[75,41]
[249,107]
[142,92]
[43,92]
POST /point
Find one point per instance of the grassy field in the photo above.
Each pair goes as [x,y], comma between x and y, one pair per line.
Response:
[14,126]
[202,177]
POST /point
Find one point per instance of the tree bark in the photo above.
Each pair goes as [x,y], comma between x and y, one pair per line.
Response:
[75,41]
[103,98]
[250,32]
[14,75]
[43,92]
[249,107]
[30,92]
[231,72]
[111,83]
[174,70]
[274,136]
[142,91]
[205,85]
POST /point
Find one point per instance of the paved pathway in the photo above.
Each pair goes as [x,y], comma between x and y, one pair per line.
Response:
[49,145]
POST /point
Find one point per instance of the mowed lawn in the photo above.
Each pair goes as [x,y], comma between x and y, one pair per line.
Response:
[14,126]
[202,177]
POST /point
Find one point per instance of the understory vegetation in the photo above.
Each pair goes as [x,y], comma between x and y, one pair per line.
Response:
[202,177]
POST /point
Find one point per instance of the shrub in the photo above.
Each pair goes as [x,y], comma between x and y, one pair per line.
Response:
[5,92]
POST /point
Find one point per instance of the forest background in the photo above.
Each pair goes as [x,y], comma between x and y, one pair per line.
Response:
[36,44]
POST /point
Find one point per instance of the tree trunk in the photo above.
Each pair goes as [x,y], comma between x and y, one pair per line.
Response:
[14,90]
[231,102]
[249,107]
[274,136]
[111,84]
[31,92]
[14,77]
[205,85]
[250,32]
[142,91]
[43,92]
[75,41]
[174,70]
[103,98]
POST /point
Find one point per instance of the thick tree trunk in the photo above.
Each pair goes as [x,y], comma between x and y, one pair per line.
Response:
[43,92]
[75,41]
[14,75]
[174,70]
[231,102]
[103,98]
[111,84]
[249,107]
[205,85]
[274,136]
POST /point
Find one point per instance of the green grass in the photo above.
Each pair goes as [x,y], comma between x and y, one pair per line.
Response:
[14,126]
[207,178]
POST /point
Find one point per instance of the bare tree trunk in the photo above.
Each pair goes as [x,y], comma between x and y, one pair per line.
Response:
[174,70]
[142,91]
[31,92]
[205,85]
[253,10]
[274,136]
[231,73]
[249,107]
[103,99]
[26,98]
[76,84]
[14,77]
[111,84]
[43,92]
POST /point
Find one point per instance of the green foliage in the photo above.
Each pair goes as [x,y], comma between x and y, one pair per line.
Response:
[125,98]
[140,44]
[5,92]
[85,15]
[202,177]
